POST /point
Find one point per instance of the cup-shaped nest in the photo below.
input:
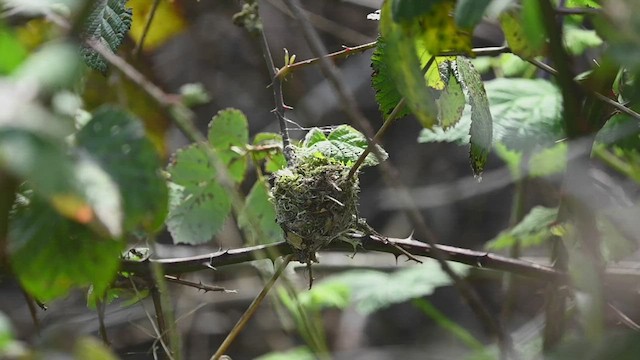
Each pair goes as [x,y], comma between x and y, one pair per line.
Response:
[315,203]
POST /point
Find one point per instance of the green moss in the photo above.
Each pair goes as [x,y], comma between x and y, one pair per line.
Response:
[315,203]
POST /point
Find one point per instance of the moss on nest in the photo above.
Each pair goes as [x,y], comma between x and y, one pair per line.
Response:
[315,203]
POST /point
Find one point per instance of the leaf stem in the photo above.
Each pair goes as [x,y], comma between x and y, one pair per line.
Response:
[248,314]
[147,25]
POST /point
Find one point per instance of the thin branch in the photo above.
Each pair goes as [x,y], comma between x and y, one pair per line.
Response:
[352,50]
[624,318]
[618,106]
[147,26]
[31,304]
[162,324]
[158,333]
[279,111]
[348,103]
[101,307]
[248,314]
[197,285]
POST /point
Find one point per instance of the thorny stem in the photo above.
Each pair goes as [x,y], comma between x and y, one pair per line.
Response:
[197,285]
[248,314]
[348,104]
[31,304]
[147,25]
[279,111]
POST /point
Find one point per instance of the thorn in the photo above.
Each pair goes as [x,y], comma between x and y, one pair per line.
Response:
[396,256]
[287,107]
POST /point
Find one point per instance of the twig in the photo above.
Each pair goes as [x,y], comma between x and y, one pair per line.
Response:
[197,285]
[164,308]
[277,97]
[620,107]
[101,307]
[624,318]
[251,310]
[31,304]
[348,104]
[147,26]
[157,331]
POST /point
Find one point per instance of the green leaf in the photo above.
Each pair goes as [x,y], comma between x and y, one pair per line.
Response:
[469,13]
[403,10]
[481,129]
[92,348]
[53,66]
[387,95]
[13,52]
[451,102]
[549,161]
[116,140]
[228,134]
[405,69]
[330,294]
[258,216]
[51,254]
[621,131]
[518,34]
[108,24]
[458,134]
[275,159]
[578,40]
[526,113]
[198,204]
[374,290]
[534,228]
[344,144]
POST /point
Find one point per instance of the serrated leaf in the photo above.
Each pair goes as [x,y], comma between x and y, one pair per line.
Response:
[108,24]
[116,140]
[198,205]
[71,254]
[481,129]
[343,144]
[228,132]
[374,290]
[451,102]
[258,216]
[534,228]
[526,113]
[469,13]
[405,70]
[457,134]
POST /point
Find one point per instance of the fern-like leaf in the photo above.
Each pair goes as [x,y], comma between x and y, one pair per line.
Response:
[108,24]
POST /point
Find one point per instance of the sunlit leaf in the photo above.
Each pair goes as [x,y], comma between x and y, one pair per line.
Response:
[481,129]
[578,40]
[71,254]
[518,37]
[274,157]
[344,144]
[451,102]
[258,216]
[229,132]
[374,290]
[199,205]
[13,52]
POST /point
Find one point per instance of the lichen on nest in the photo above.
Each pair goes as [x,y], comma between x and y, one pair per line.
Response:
[316,202]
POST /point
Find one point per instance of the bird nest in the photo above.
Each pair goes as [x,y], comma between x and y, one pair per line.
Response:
[316,202]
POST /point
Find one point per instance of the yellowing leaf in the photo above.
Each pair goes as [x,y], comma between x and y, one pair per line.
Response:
[517,37]
[167,22]
[439,30]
